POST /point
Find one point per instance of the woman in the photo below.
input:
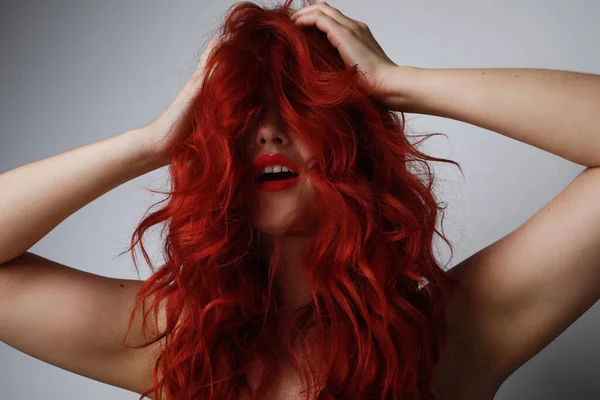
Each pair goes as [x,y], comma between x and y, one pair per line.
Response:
[337,243]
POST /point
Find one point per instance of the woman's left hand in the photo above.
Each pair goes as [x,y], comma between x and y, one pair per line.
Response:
[355,43]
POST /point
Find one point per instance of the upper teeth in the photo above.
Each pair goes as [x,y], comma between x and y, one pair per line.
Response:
[275,168]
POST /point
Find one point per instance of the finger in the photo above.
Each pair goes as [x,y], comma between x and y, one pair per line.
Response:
[324,23]
[331,12]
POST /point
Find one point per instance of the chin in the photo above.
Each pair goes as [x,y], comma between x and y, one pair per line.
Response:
[273,222]
[295,224]
[274,213]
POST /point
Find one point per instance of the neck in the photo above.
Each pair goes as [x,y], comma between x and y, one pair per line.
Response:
[291,273]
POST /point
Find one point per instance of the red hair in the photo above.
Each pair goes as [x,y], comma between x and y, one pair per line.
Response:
[378,293]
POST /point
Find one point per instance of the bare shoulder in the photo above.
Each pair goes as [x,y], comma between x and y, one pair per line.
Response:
[76,321]
[519,293]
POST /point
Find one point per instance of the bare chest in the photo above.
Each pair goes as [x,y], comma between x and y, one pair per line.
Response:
[460,373]
[288,387]
[453,380]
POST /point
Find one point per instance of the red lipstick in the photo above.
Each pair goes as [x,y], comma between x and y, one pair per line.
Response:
[275,159]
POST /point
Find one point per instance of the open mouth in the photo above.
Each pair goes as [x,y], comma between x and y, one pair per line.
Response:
[275,172]
[276,176]
[277,181]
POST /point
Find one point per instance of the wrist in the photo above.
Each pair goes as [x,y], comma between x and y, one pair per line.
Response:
[142,139]
[402,88]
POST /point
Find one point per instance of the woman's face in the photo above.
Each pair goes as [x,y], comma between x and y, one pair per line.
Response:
[279,199]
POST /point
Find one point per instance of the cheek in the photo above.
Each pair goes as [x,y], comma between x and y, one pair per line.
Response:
[305,154]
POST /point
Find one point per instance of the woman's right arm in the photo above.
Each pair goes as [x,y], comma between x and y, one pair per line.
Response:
[64,316]
[38,196]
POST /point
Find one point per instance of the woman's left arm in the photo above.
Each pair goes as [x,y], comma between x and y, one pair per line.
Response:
[556,111]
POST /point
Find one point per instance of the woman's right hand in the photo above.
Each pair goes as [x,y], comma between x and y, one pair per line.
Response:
[165,132]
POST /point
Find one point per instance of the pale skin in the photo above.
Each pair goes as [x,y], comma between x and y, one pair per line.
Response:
[517,294]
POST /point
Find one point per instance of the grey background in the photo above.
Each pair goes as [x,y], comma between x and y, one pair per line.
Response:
[76,72]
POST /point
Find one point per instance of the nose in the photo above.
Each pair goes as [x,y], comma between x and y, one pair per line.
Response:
[271,137]
[265,139]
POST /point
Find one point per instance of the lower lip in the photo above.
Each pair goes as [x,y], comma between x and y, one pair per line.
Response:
[276,186]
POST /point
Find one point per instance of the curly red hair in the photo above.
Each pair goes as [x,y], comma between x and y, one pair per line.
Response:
[378,293]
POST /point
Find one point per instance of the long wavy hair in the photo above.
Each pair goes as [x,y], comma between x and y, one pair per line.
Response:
[377,291]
